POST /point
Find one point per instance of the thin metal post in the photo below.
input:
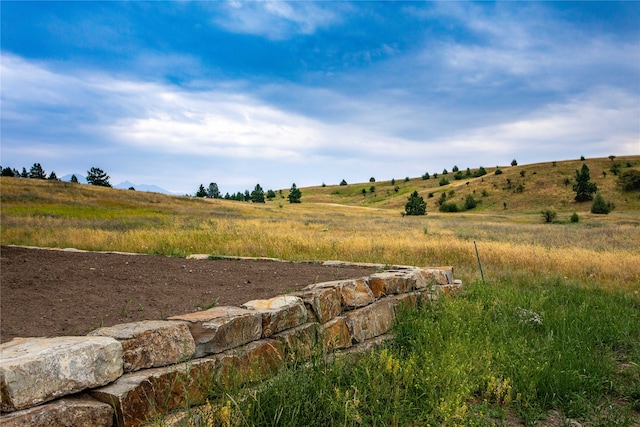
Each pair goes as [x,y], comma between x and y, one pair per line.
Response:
[479,263]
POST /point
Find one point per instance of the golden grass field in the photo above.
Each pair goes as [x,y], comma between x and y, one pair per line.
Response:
[340,222]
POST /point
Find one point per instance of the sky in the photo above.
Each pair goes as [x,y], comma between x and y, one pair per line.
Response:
[240,93]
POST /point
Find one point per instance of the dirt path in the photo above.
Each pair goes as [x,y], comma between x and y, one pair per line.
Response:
[50,293]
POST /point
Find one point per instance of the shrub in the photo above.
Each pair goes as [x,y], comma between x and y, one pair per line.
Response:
[485,193]
[629,180]
[549,216]
[448,207]
[372,179]
[575,218]
[600,206]
[443,181]
[426,175]
[498,172]
[480,172]
[470,202]
[514,162]
[343,182]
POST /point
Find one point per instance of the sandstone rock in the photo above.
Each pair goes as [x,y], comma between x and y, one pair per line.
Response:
[353,293]
[279,313]
[65,412]
[335,334]
[299,342]
[36,370]
[437,275]
[371,321]
[396,282]
[323,303]
[142,395]
[249,363]
[409,300]
[221,328]
[151,343]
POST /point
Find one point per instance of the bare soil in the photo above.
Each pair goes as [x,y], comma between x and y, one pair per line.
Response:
[54,293]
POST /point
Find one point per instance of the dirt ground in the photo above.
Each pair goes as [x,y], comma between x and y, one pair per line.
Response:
[52,293]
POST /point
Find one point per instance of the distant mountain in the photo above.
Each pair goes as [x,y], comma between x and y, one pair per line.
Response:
[142,187]
[67,178]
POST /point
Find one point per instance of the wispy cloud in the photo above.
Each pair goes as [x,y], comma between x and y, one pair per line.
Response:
[276,20]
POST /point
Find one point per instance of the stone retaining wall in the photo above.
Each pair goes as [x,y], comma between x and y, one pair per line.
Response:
[126,374]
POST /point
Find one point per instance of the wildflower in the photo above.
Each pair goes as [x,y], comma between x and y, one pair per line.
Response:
[528,317]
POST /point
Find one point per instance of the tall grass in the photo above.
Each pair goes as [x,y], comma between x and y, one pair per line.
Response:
[508,351]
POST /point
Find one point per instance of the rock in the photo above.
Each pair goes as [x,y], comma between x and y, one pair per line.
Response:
[279,313]
[249,363]
[300,342]
[36,370]
[142,395]
[65,412]
[151,343]
[353,293]
[371,321]
[323,303]
[335,334]
[437,275]
[396,282]
[222,328]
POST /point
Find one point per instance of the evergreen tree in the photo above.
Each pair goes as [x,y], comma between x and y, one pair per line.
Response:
[201,191]
[7,172]
[247,195]
[415,205]
[24,173]
[271,194]
[295,195]
[257,195]
[600,206]
[96,176]
[37,172]
[53,176]
[583,187]
[74,179]
[213,192]
[343,182]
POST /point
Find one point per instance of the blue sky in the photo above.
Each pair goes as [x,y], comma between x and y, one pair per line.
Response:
[238,93]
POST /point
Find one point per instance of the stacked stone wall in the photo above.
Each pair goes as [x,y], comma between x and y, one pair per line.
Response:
[128,374]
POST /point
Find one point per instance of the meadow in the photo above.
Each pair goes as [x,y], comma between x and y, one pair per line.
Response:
[554,327]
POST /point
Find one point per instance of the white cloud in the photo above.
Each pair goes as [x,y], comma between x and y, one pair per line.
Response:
[276,20]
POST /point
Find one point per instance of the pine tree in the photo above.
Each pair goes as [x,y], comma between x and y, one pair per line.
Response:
[201,191]
[37,172]
[600,206]
[96,176]
[415,205]
[295,195]
[74,179]
[583,187]
[257,195]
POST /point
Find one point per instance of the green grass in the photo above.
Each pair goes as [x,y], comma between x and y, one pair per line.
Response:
[510,350]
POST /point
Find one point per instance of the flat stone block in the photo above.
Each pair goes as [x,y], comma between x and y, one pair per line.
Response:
[395,282]
[371,321]
[335,334]
[323,303]
[151,343]
[140,396]
[66,412]
[249,363]
[279,313]
[437,275]
[36,370]
[222,328]
[353,293]
[299,342]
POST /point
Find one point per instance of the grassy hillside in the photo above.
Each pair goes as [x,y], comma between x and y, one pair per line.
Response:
[340,223]
[522,189]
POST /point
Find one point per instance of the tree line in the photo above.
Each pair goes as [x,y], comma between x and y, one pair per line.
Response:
[95,176]
[258,195]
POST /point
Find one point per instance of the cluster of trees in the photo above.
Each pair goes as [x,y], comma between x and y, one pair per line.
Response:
[256,196]
[95,176]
